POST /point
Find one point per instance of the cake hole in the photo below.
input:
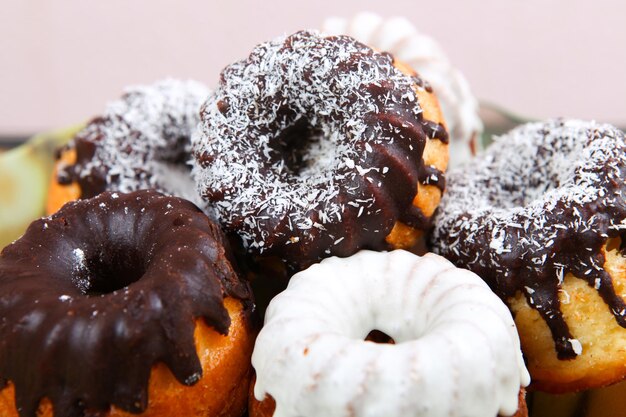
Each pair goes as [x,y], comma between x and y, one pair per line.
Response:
[525,182]
[179,152]
[378,336]
[107,271]
[294,144]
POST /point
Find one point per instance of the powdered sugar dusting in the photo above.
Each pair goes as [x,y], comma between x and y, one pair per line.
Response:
[142,140]
[79,257]
[330,88]
[80,271]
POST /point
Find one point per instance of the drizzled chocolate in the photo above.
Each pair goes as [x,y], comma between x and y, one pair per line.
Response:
[93,296]
[430,175]
[141,141]
[312,147]
[539,204]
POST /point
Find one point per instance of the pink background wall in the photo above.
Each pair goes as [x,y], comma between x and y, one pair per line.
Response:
[62,60]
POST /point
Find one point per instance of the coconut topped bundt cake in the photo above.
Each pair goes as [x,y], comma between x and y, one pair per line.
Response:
[141,141]
[316,146]
[541,216]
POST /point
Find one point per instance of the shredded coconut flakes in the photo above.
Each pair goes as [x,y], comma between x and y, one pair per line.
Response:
[335,105]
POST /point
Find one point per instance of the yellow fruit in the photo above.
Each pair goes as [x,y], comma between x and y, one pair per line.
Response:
[24,177]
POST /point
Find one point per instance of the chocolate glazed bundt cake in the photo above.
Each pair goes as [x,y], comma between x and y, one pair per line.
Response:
[123,303]
[541,216]
[316,146]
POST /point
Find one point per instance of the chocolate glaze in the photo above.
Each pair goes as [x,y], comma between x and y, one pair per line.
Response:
[531,251]
[283,113]
[420,82]
[93,296]
[430,175]
[435,130]
[85,146]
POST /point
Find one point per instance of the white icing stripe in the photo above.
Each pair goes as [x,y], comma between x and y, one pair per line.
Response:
[401,38]
[456,350]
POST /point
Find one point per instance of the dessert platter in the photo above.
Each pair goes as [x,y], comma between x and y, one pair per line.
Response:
[321,232]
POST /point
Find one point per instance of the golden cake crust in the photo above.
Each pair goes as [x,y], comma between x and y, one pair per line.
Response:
[603,357]
[222,391]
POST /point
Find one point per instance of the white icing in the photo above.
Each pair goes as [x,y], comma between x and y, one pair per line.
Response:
[402,39]
[457,351]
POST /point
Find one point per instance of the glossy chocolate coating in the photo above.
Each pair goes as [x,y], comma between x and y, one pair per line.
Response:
[313,147]
[93,296]
[538,204]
